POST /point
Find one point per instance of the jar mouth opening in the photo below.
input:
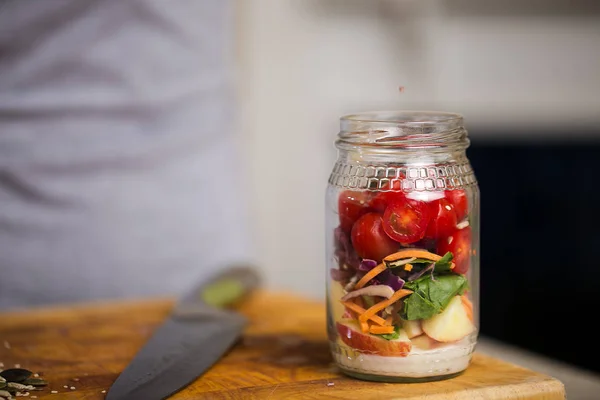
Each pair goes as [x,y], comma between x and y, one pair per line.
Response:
[404,117]
[409,129]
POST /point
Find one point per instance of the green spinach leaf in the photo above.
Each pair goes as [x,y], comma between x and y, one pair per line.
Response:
[443,264]
[401,263]
[430,296]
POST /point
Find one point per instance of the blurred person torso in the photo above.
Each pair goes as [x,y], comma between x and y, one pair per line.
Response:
[117,161]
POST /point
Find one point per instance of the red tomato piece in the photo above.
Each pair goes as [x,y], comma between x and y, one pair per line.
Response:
[406,220]
[459,244]
[459,200]
[443,219]
[351,206]
[369,239]
[381,200]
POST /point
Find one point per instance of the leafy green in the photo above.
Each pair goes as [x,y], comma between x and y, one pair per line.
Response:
[401,263]
[418,307]
[392,336]
[444,263]
[431,296]
[421,261]
[441,266]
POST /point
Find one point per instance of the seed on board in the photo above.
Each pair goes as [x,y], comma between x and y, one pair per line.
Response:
[65,386]
[104,391]
[35,382]
[72,387]
[17,375]
[54,391]
[19,386]
[17,365]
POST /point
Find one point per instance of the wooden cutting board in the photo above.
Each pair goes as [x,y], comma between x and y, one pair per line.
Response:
[282,355]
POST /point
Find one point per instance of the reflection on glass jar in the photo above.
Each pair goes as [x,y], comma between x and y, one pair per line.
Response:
[402,247]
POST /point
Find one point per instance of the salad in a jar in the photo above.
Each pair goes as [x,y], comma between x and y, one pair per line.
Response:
[399,291]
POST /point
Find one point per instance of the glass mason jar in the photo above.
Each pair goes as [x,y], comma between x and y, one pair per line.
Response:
[402,247]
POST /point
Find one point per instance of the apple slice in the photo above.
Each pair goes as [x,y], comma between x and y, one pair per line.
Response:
[424,342]
[450,325]
[412,328]
[351,335]
[336,292]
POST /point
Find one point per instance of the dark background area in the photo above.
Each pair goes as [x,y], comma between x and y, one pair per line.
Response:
[539,244]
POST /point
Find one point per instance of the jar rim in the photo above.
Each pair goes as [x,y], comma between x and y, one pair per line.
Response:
[404,117]
[404,129]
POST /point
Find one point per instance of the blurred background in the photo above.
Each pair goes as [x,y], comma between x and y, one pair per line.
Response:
[526,76]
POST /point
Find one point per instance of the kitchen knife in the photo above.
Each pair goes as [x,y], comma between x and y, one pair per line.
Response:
[199,330]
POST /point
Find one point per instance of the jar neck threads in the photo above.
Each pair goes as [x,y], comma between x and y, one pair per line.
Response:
[403,130]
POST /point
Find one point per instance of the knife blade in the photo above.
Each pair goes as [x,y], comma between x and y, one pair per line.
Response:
[198,332]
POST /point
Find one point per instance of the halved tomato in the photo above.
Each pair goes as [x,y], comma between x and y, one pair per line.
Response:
[406,220]
[459,244]
[443,219]
[382,199]
[351,206]
[459,200]
[369,240]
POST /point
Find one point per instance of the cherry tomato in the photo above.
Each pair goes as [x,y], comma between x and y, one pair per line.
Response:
[381,200]
[351,206]
[459,200]
[369,239]
[443,219]
[406,220]
[459,244]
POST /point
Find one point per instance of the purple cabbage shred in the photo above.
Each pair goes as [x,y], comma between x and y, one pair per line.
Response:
[344,252]
[366,265]
[388,278]
[340,275]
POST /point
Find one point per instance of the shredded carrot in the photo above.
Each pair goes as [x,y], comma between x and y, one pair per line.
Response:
[388,321]
[467,302]
[410,253]
[383,304]
[408,267]
[469,314]
[359,310]
[364,327]
[379,330]
[370,275]
[416,253]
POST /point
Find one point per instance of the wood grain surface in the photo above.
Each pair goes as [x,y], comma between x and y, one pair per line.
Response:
[283,355]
